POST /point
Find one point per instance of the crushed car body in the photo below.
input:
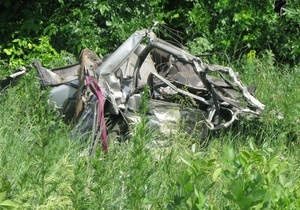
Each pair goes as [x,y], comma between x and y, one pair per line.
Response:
[181,87]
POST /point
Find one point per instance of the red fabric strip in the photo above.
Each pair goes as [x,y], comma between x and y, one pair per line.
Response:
[93,85]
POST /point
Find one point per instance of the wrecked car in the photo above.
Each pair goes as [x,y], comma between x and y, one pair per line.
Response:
[181,88]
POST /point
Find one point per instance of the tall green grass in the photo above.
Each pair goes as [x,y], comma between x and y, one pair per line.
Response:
[254,165]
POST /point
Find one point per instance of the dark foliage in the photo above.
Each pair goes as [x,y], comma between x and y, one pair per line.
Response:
[232,27]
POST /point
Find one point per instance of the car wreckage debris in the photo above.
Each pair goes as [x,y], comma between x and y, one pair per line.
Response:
[112,88]
[13,79]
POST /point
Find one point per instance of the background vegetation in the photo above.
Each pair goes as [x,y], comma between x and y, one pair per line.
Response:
[252,166]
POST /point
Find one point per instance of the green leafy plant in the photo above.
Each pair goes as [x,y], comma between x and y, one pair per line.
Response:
[191,187]
[6,203]
[257,179]
[22,52]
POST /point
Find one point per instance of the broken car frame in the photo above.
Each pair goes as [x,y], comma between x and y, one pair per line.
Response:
[113,87]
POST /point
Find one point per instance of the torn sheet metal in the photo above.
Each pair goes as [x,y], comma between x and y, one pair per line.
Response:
[181,88]
[13,79]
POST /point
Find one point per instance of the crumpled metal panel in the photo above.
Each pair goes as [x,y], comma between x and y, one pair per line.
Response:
[57,76]
[114,61]
[165,116]
[111,71]
[13,79]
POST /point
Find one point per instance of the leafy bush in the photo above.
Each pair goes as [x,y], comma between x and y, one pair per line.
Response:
[258,179]
[22,52]
[232,27]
